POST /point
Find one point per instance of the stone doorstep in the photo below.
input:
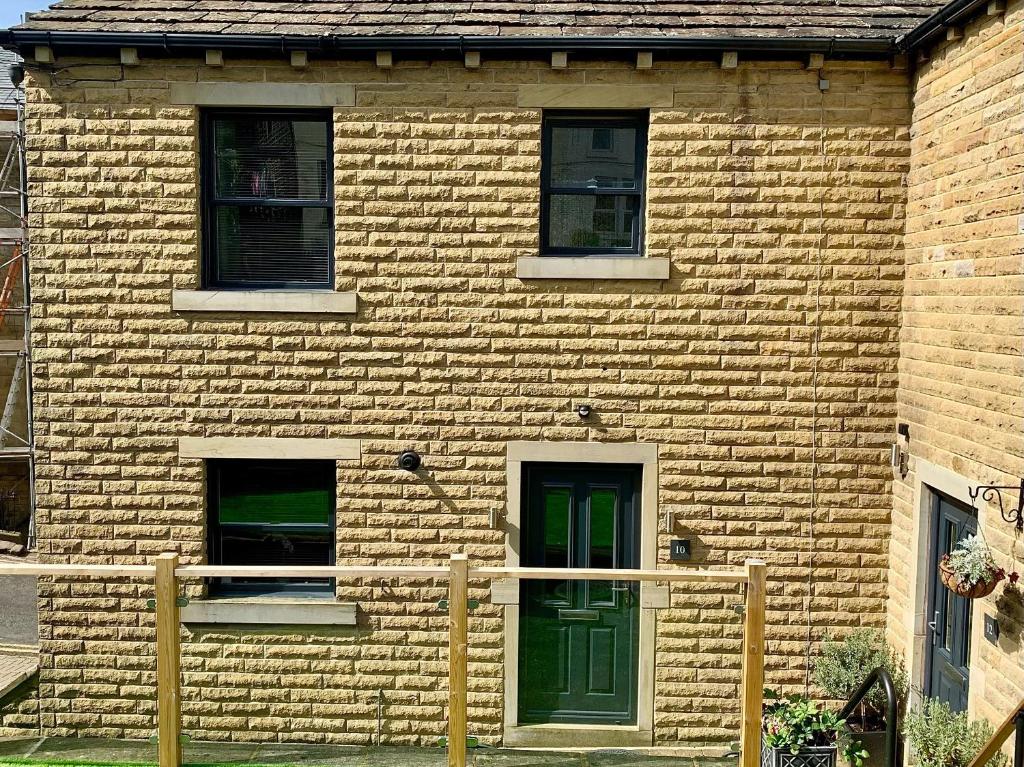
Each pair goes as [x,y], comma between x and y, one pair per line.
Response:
[11,537]
[133,751]
[16,669]
[19,649]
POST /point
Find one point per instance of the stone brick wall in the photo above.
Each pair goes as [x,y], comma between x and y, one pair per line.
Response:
[19,712]
[765,368]
[962,342]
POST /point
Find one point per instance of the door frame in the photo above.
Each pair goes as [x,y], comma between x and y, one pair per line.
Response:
[645,456]
[930,480]
[934,590]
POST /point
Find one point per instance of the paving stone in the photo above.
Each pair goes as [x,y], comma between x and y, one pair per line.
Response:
[16,669]
[17,746]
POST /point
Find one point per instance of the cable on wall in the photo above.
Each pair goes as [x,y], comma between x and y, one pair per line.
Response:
[815,350]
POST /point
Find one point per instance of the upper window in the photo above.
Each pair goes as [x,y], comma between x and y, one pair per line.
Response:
[271,513]
[592,184]
[267,191]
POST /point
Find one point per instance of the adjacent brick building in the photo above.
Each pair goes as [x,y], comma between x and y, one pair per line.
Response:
[737,239]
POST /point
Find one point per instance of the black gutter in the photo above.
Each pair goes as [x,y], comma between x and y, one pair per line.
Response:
[332,46]
[951,15]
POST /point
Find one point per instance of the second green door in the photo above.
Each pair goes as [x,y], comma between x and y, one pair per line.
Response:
[579,640]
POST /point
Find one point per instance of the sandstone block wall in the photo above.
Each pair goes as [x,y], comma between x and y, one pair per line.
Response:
[765,368]
[962,342]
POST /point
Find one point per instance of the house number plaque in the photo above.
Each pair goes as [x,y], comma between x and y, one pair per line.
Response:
[679,550]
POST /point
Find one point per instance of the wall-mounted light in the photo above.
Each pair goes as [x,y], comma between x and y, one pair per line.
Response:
[409,460]
[583,411]
[670,521]
[898,460]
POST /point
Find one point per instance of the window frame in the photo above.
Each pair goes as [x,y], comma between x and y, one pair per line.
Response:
[594,119]
[210,201]
[266,586]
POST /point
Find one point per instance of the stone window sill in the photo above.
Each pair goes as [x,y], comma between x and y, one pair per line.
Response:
[270,610]
[266,301]
[591,268]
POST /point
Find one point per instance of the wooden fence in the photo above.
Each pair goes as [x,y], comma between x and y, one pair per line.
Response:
[166,571]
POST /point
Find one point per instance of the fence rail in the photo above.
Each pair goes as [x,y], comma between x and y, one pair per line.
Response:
[166,572]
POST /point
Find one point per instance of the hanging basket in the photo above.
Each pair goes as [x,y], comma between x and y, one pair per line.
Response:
[976,591]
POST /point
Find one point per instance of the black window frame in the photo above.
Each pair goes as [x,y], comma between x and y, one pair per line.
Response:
[210,200]
[593,119]
[218,587]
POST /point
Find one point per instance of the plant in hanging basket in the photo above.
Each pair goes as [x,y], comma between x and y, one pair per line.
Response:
[970,571]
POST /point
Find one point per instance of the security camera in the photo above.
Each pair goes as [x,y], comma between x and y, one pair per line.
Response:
[409,460]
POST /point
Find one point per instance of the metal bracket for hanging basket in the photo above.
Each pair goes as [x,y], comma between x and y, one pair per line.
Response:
[471,604]
[472,741]
[182,739]
[990,493]
[181,601]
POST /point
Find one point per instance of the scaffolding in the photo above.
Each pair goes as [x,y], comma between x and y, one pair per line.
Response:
[16,434]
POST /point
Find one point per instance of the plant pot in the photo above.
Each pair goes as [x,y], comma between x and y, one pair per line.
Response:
[952,582]
[813,756]
[874,743]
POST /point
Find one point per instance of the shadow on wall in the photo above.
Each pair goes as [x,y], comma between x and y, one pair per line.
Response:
[1010,605]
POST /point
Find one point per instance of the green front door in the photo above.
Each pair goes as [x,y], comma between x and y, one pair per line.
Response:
[578,640]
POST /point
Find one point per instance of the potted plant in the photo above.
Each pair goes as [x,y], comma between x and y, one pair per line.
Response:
[969,570]
[797,732]
[941,738]
[841,668]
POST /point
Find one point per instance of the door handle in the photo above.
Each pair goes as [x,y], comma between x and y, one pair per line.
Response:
[578,615]
[628,595]
[933,627]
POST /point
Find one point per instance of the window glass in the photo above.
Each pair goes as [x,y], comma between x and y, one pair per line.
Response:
[271,513]
[264,244]
[268,214]
[603,502]
[271,494]
[591,221]
[558,504]
[593,157]
[592,184]
[270,158]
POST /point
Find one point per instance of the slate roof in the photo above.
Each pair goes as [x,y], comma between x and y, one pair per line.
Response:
[8,93]
[845,19]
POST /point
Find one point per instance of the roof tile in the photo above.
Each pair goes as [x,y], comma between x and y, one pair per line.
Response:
[510,18]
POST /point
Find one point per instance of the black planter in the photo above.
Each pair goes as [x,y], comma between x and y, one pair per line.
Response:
[874,742]
[814,756]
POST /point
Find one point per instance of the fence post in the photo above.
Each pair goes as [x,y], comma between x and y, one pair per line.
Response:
[168,662]
[753,665]
[458,641]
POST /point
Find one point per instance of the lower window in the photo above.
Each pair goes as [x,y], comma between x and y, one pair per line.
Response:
[271,513]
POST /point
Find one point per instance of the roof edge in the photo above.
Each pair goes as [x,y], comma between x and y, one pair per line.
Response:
[332,46]
[934,25]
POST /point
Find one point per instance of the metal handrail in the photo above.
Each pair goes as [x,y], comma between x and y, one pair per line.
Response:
[892,709]
[1014,724]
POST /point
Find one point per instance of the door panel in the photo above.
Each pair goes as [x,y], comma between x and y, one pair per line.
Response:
[949,630]
[578,516]
[600,663]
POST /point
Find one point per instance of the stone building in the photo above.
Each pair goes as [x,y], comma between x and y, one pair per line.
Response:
[619,275]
